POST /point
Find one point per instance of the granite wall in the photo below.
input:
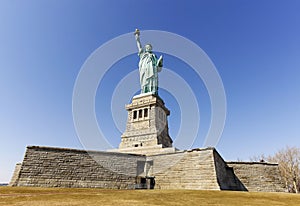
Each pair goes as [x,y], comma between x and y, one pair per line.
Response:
[185,170]
[16,173]
[59,167]
[258,176]
[201,169]
[226,177]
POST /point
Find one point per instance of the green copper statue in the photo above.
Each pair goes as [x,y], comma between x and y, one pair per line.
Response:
[149,66]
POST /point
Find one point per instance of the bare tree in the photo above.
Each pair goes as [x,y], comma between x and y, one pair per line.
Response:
[289,166]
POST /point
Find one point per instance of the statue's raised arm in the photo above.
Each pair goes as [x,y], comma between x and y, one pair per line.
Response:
[138,42]
[149,66]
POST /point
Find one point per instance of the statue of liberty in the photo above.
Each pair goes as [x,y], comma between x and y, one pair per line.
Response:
[149,66]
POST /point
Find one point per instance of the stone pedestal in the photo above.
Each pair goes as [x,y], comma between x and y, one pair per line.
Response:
[147,129]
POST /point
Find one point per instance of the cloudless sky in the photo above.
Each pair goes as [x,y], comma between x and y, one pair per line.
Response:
[254,44]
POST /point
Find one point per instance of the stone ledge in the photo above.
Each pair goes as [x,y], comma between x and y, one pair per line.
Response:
[252,163]
[149,99]
[190,150]
[60,149]
[147,150]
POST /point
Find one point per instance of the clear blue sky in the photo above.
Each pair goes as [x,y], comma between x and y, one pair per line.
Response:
[254,44]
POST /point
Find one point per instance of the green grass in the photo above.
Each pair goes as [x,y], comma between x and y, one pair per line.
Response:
[65,196]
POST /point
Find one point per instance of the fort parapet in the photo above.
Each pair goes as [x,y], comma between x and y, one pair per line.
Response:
[199,169]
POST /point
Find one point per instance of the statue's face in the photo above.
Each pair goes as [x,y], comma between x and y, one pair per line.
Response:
[148,47]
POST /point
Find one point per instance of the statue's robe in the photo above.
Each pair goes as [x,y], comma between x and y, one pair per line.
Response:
[148,72]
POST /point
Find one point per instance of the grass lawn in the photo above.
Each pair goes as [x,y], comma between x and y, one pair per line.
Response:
[65,196]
